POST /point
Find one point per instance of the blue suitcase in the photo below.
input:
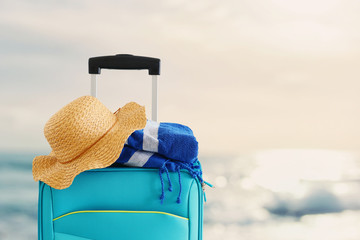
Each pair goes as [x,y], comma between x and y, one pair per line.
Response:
[122,203]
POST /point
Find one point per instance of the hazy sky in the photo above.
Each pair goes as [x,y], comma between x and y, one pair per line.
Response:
[244,74]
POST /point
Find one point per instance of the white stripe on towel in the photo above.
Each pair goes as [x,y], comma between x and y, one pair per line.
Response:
[138,159]
[150,139]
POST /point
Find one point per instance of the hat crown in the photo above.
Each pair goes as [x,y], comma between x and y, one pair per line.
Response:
[77,126]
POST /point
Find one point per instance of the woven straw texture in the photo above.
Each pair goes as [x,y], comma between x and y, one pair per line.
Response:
[85,135]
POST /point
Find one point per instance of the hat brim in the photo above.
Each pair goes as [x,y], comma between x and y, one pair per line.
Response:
[102,154]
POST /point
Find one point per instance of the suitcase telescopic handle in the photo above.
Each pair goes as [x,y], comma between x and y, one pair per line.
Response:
[127,62]
[124,61]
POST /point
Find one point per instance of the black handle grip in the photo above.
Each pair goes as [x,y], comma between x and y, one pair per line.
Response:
[124,61]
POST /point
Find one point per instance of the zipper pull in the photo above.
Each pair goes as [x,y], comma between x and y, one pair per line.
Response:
[209,184]
[203,185]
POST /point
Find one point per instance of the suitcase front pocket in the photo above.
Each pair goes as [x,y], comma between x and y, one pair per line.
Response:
[117,224]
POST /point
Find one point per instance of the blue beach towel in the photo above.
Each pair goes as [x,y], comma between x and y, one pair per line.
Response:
[172,140]
[166,146]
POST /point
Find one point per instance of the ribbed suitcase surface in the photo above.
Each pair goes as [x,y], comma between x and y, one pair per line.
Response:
[121,203]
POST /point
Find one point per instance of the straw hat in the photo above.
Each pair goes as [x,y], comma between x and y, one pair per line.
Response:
[85,135]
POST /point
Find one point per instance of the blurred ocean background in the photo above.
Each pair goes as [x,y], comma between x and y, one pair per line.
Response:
[274,194]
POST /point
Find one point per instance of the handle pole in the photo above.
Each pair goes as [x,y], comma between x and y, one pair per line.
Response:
[154,98]
[93,85]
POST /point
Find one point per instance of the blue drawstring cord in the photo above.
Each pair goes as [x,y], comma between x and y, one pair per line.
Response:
[162,187]
[161,170]
[194,169]
[178,198]
[168,177]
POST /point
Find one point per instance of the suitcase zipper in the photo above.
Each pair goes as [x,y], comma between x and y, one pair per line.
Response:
[203,185]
